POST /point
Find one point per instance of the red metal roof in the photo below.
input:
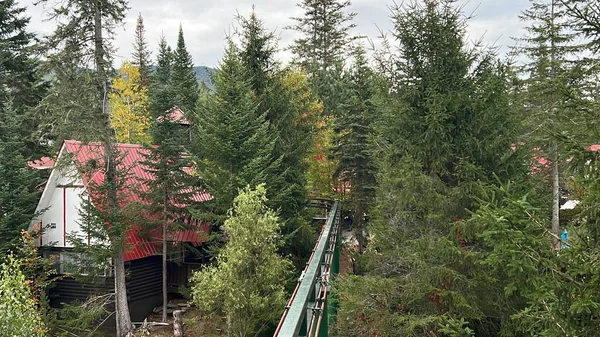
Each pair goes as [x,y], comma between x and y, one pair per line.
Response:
[42,163]
[131,158]
[175,115]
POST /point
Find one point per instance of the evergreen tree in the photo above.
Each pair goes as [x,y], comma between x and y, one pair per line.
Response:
[325,27]
[352,144]
[172,192]
[326,41]
[257,53]
[20,90]
[285,96]
[553,84]
[248,284]
[232,143]
[19,192]
[587,20]
[20,82]
[77,46]
[72,99]
[161,94]
[141,54]
[267,81]
[183,77]
[18,66]
[443,136]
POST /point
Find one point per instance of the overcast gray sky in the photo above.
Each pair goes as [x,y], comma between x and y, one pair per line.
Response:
[205,22]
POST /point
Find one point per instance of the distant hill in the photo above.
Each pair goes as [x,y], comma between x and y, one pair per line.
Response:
[204,75]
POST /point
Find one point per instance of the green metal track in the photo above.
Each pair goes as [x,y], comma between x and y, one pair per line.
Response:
[308,311]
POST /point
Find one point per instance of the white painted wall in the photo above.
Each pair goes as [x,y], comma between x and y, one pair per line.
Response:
[62,200]
[53,214]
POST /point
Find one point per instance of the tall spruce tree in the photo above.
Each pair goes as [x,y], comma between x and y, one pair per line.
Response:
[279,98]
[19,192]
[444,134]
[553,83]
[325,27]
[232,143]
[325,42]
[20,90]
[352,144]
[183,77]
[81,41]
[161,94]
[266,78]
[171,190]
[141,54]
[20,80]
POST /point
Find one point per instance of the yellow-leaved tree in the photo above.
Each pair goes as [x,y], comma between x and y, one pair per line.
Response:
[321,165]
[129,107]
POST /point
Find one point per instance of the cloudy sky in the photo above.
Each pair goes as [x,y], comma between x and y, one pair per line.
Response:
[206,22]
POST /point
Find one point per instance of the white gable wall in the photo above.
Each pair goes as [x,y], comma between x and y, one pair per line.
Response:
[62,201]
[62,216]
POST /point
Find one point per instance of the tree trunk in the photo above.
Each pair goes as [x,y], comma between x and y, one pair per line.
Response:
[177,323]
[164,259]
[124,325]
[555,197]
[555,180]
[123,318]
[359,232]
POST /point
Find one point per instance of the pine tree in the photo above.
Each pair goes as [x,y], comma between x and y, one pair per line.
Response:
[443,135]
[18,193]
[552,85]
[183,77]
[141,54]
[267,81]
[232,143]
[77,46]
[20,80]
[325,27]
[161,94]
[171,191]
[352,144]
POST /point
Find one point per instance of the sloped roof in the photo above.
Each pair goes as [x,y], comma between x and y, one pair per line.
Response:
[42,163]
[130,160]
[175,115]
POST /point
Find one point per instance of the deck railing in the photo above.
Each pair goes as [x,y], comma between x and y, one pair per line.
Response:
[311,306]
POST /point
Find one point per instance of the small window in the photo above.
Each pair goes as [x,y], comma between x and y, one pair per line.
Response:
[81,264]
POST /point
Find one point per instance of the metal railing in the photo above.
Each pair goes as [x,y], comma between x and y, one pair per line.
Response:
[310,306]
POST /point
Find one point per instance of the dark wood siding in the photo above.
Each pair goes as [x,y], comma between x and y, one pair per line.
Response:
[144,278]
[70,289]
[144,287]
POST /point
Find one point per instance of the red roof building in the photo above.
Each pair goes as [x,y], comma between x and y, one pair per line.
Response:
[62,199]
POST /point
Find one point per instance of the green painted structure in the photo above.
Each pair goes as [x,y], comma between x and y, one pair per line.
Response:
[311,307]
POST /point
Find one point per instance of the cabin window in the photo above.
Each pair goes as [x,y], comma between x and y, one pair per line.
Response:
[81,264]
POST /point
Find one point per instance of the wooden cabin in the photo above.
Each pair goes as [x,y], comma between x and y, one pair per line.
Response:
[60,214]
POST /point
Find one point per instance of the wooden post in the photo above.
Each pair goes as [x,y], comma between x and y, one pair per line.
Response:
[177,323]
